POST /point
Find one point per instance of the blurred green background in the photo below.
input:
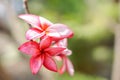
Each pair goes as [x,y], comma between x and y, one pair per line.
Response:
[92,45]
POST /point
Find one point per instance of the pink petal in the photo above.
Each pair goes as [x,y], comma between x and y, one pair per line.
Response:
[58,58]
[34,33]
[45,42]
[54,50]
[63,68]
[31,19]
[36,63]
[67,52]
[63,42]
[30,47]
[69,66]
[45,23]
[49,63]
[54,34]
[59,31]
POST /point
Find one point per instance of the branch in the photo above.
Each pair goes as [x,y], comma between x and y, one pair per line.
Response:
[26,6]
[26,9]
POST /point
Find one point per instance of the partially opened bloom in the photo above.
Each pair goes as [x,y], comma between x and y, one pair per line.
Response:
[63,43]
[42,27]
[67,64]
[42,54]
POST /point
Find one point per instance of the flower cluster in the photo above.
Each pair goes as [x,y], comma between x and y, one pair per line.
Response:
[52,44]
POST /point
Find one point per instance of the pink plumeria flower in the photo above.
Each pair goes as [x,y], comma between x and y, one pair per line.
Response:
[42,54]
[42,27]
[67,64]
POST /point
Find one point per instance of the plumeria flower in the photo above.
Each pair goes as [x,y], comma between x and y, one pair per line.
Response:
[41,53]
[42,27]
[67,64]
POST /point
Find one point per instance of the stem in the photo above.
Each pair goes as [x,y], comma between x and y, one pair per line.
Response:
[26,9]
[26,6]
